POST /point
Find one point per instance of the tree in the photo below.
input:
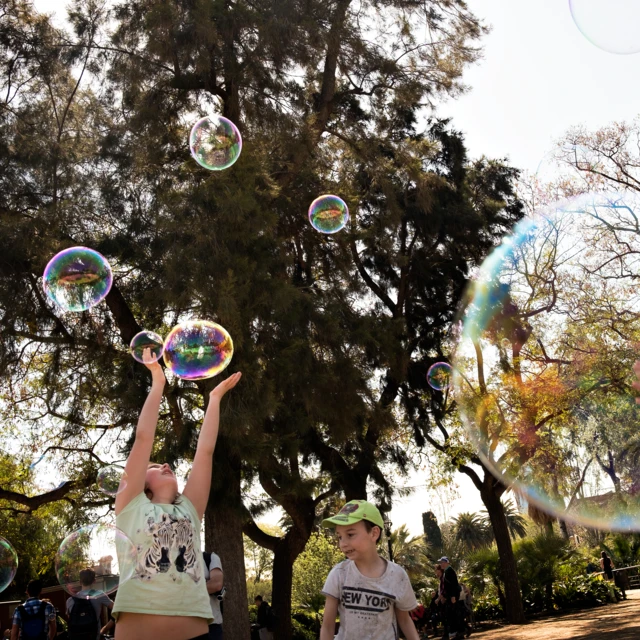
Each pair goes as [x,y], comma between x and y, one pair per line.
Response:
[471,531]
[259,560]
[432,533]
[412,553]
[310,572]
[99,157]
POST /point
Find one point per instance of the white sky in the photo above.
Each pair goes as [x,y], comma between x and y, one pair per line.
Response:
[539,77]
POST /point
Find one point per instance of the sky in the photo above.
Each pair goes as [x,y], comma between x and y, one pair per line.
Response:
[539,77]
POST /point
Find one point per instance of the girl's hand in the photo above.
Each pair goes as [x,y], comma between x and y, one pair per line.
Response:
[153,365]
[225,385]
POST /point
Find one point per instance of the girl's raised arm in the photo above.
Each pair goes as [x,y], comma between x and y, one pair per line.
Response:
[199,483]
[138,461]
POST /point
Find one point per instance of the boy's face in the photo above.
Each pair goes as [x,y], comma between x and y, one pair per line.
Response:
[355,541]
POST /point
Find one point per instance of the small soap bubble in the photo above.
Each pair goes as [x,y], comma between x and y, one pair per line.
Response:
[94,560]
[610,25]
[215,142]
[328,214]
[147,340]
[8,563]
[197,349]
[111,479]
[439,376]
[77,279]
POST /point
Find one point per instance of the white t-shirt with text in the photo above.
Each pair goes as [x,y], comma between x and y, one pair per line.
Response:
[367,606]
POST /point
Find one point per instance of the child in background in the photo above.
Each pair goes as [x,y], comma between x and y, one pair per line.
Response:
[372,595]
[167,596]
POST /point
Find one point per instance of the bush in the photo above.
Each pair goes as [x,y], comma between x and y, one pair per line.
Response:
[487,607]
[583,591]
[300,632]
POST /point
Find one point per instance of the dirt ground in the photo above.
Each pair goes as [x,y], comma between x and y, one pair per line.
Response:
[620,621]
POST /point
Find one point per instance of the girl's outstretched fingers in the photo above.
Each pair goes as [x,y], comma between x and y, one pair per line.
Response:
[226,385]
[151,364]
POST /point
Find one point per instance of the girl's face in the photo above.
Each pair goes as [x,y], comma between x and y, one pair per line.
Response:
[355,541]
[161,480]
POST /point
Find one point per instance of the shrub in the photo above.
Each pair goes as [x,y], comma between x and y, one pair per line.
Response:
[300,632]
[583,591]
[487,607]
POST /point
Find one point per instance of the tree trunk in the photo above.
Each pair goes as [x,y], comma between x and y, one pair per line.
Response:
[285,554]
[514,611]
[224,518]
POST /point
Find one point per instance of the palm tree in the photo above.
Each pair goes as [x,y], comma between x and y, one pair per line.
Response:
[411,553]
[471,531]
[483,568]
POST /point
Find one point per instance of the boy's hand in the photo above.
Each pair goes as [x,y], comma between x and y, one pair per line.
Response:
[226,385]
[153,365]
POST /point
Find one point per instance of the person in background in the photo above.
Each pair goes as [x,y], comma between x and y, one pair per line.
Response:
[264,619]
[35,618]
[85,597]
[606,564]
[451,597]
[467,601]
[215,585]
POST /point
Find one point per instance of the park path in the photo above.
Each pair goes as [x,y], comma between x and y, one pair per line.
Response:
[620,621]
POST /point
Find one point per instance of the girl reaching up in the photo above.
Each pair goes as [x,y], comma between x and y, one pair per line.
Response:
[167,595]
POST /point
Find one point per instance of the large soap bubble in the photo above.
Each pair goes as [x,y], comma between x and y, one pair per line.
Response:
[8,563]
[94,560]
[611,25]
[198,349]
[215,143]
[77,279]
[328,214]
[439,376]
[548,335]
[146,340]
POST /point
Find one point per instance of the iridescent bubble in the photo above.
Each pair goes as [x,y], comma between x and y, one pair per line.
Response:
[37,461]
[215,143]
[147,340]
[439,376]
[328,214]
[610,25]
[8,563]
[198,349]
[94,560]
[77,279]
[553,416]
[111,479]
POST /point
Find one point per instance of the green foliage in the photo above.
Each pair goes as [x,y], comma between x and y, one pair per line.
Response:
[583,591]
[262,588]
[487,607]
[311,569]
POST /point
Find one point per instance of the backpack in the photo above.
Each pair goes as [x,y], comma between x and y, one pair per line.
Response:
[83,621]
[272,619]
[33,626]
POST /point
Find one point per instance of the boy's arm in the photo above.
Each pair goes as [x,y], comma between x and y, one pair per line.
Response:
[406,624]
[328,630]
[136,467]
[199,483]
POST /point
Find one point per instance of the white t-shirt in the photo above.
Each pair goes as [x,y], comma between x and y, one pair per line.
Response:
[215,603]
[367,606]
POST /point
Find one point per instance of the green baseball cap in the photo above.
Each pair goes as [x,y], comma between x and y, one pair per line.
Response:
[353,512]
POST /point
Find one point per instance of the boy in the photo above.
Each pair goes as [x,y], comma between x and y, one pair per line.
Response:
[372,596]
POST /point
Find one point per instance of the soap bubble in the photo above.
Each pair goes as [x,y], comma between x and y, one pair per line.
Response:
[111,479]
[610,25]
[328,214]
[543,363]
[77,279]
[197,349]
[439,376]
[94,560]
[147,340]
[8,563]
[215,143]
